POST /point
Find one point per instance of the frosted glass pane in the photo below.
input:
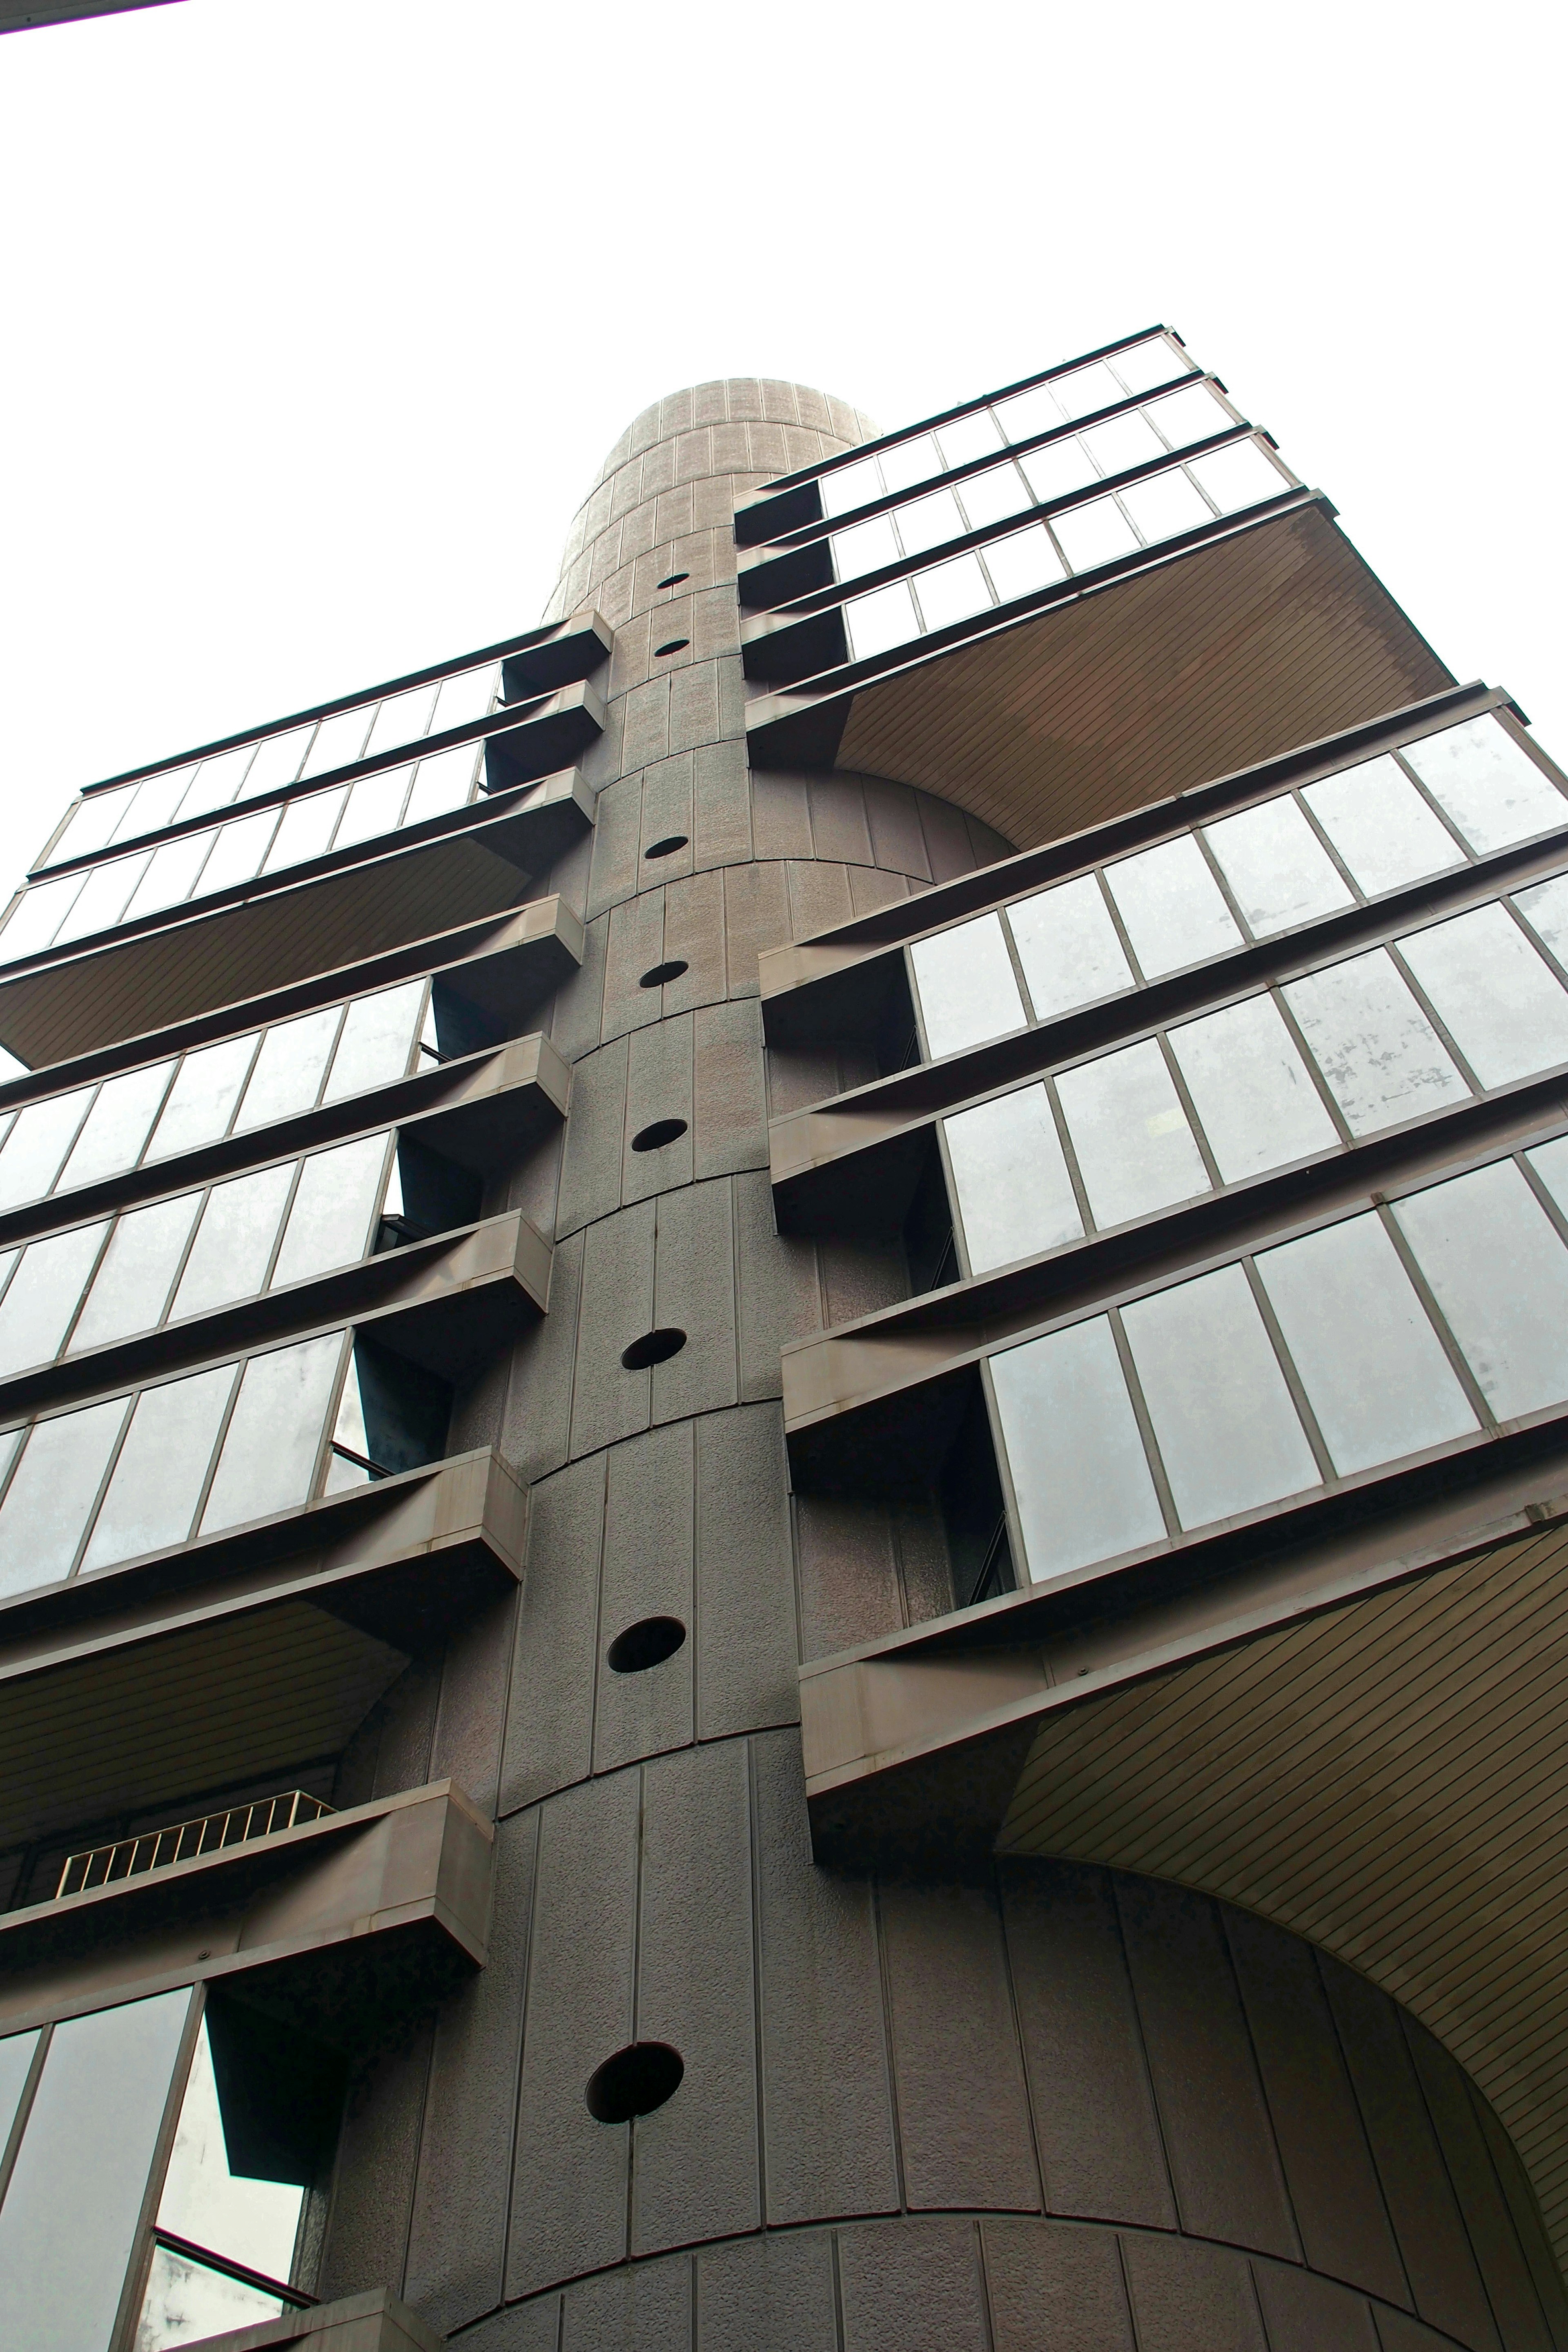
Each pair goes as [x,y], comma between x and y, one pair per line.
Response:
[290,1067]
[951,591]
[850,487]
[909,462]
[1028,412]
[1252,1092]
[186,2303]
[401,718]
[1069,946]
[1227,1432]
[41,1135]
[968,437]
[158,798]
[1014,1195]
[251,2221]
[1164,505]
[306,830]
[1378,1051]
[276,761]
[378,1040]
[1502,1005]
[270,1453]
[233,1247]
[867,546]
[338,741]
[1058,469]
[1143,366]
[15,2059]
[162,1466]
[1087,389]
[202,1099]
[1278,870]
[1545,908]
[131,1286]
[172,872]
[986,498]
[930,522]
[1238,476]
[1550,1161]
[1381,826]
[330,1222]
[967,988]
[443,782]
[47,1501]
[1136,1150]
[43,1295]
[874,624]
[1490,786]
[115,1129]
[92,822]
[103,898]
[1190,415]
[466,697]
[1122,442]
[1095,533]
[238,852]
[374,806]
[37,916]
[69,2217]
[215,784]
[1078,1465]
[1172,908]
[1372,1366]
[1022,562]
[1499,1273]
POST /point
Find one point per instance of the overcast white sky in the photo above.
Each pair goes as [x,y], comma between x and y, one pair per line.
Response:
[319,315]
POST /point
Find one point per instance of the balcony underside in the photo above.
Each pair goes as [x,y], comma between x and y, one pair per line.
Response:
[1205,662]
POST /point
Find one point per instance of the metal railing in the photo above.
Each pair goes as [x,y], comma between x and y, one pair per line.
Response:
[156,1849]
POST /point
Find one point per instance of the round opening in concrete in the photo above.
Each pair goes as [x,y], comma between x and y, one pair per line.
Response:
[662,972]
[647,1643]
[675,646]
[667,847]
[653,1348]
[657,1133]
[633,2082]
[673,579]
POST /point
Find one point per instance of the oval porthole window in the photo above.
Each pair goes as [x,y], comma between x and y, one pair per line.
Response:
[633,2082]
[674,646]
[655,1347]
[657,1133]
[647,1643]
[663,972]
[667,847]
[673,579]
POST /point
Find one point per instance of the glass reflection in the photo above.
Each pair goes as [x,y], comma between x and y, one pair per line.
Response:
[1136,1150]
[115,1129]
[1499,1273]
[1251,1090]
[1069,946]
[132,1289]
[967,989]
[50,1497]
[1014,1195]
[269,1456]
[1279,871]
[1378,1051]
[1506,1012]
[1384,830]
[1173,909]
[1487,784]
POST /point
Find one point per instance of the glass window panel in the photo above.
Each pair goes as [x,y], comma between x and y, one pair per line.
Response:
[1545,909]
[115,1129]
[185,2302]
[1069,946]
[1227,1432]
[443,782]
[346,1469]
[43,1295]
[1238,477]
[131,1286]
[277,763]
[1136,1150]
[909,462]
[37,915]
[1022,562]
[867,546]
[1252,1092]
[172,872]
[269,1453]
[1145,365]
[1028,412]
[93,821]
[874,624]
[338,741]
[290,1067]
[239,850]
[1172,906]
[966,437]
[1095,533]
[465,697]
[158,1479]
[157,799]
[1014,1195]
[15,2059]
[1381,826]
[252,2221]
[1087,389]
[968,990]
[104,898]
[951,591]
[1190,416]
[55,1484]
[1079,1469]
[1499,1273]
[217,783]
[375,804]
[41,1136]
[850,487]
[69,2217]
[1164,505]
[1372,1366]
[1550,1161]
[930,522]
[988,496]
[331,1221]
[306,830]
[201,1102]
[1378,1051]
[1058,469]
[1122,442]
[377,1041]
[1490,786]
[233,1247]
[1503,1007]
[1278,869]
[401,718]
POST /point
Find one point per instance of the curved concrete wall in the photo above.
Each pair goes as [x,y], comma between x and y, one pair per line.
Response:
[1064,2107]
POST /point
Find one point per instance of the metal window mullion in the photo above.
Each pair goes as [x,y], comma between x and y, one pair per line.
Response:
[1211,503]
[1542,1189]
[954,1202]
[1010,1511]
[175,1065]
[219,1442]
[256,1036]
[1310,1063]
[7,1280]
[332,1053]
[110,1228]
[1031,1018]
[10,2148]
[93,1093]
[1102,875]
[1199,835]
[1346,877]
[1189,1107]
[1069,1155]
[1471,856]
[123,2336]
[1141,1414]
[1558,970]
[1328,1475]
[330,1418]
[1391,950]
[1474,1394]
[281,1234]
[205,1193]
[218,832]
[133,1398]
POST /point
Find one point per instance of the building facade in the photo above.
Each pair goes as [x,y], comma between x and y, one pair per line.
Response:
[782,1408]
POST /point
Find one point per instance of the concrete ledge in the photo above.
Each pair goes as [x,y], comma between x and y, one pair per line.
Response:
[375,2322]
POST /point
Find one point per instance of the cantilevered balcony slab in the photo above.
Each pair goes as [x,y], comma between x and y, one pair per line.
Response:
[373,2322]
[283,929]
[1109,694]
[335,1928]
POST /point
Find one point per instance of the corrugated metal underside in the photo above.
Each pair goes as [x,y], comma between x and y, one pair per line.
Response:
[236,952]
[1391,1780]
[220,1703]
[1274,636]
